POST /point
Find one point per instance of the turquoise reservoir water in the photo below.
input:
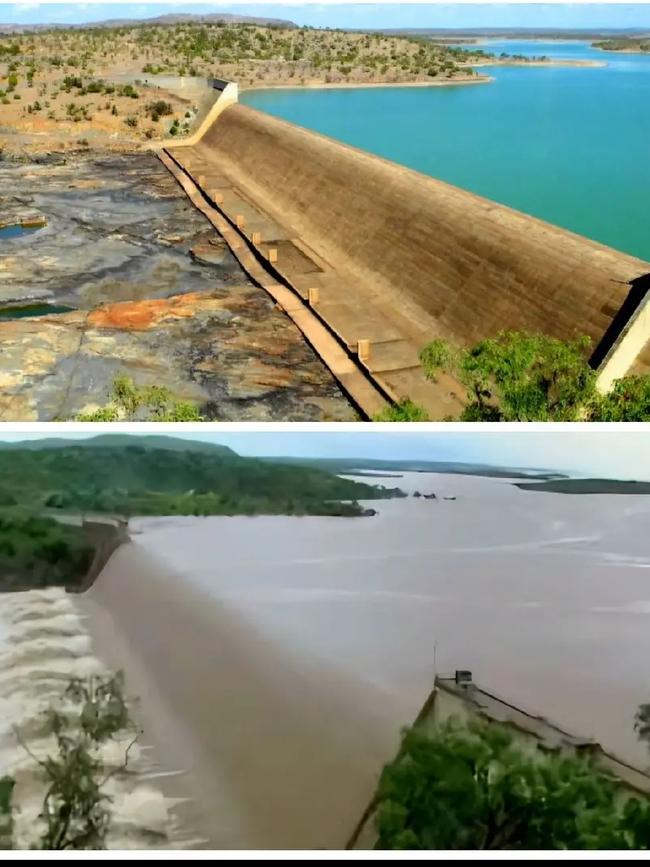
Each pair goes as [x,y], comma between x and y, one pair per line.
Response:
[9,232]
[569,145]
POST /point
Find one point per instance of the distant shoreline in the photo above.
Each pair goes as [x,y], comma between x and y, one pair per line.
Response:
[568,62]
[449,82]
[349,85]
[621,50]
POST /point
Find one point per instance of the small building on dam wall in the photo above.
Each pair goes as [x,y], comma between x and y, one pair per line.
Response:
[390,258]
[459,698]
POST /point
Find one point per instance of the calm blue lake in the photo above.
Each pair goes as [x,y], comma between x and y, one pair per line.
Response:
[569,145]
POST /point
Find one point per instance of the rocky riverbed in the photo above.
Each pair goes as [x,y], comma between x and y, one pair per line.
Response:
[148,289]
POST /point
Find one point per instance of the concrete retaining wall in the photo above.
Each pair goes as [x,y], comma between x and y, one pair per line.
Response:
[106,536]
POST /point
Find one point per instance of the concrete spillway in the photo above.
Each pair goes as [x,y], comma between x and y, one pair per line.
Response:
[389,258]
[271,749]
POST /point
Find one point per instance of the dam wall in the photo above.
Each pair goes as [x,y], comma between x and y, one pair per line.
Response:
[106,535]
[447,262]
[210,96]
[272,749]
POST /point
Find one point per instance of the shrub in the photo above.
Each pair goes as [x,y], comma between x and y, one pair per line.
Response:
[148,403]
[471,788]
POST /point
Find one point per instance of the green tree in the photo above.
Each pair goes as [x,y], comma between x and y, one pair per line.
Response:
[518,377]
[629,400]
[470,788]
[532,377]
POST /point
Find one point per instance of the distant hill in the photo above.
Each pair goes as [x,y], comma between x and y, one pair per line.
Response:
[511,32]
[171,18]
[586,486]
[116,440]
[153,475]
[327,465]
[348,465]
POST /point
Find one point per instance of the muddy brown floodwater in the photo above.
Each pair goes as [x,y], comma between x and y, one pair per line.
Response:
[276,658]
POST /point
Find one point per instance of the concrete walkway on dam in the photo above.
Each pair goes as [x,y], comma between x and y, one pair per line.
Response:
[389,259]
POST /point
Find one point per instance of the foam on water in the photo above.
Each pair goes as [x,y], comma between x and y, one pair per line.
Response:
[43,645]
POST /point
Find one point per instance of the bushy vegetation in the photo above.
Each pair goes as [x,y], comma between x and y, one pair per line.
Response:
[625,43]
[469,787]
[159,109]
[37,551]
[52,64]
[518,377]
[529,377]
[629,400]
[131,402]
[243,51]
[129,479]
[62,61]
[405,410]
[201,503]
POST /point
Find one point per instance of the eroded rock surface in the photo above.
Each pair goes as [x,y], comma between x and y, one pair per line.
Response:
[156,294]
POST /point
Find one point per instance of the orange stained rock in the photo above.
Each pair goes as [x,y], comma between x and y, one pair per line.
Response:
[141,315]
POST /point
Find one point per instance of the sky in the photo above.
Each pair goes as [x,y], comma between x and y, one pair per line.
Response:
[343,14]
[584,450]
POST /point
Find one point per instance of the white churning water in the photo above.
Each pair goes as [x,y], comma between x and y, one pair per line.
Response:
[43,645]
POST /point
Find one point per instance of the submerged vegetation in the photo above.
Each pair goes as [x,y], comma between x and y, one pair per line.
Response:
[529,377]
[76,806]
[470,787]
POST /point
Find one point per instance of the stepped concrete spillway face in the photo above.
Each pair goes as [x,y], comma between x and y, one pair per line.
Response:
[436,260]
